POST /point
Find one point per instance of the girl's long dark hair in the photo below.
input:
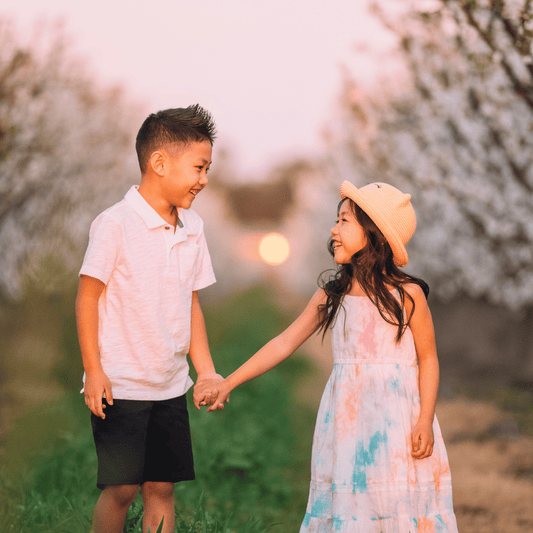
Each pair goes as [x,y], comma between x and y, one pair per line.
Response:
[374,269]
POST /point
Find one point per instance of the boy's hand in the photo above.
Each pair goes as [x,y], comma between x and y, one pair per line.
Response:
[206,389]
[97,385]
[209,397]
[422,440]
[221,398]
[205,394]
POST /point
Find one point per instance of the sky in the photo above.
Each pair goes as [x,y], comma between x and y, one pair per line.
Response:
[269,72]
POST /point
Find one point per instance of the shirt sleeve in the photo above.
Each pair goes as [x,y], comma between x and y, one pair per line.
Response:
[102,253]
[204,271]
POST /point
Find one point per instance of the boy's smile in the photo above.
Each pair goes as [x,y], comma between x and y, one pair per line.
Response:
[185,173]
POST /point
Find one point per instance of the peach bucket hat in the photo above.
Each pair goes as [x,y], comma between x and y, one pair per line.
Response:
[390,209]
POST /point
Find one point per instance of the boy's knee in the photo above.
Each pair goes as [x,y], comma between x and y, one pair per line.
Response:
[158,489]
[123,495]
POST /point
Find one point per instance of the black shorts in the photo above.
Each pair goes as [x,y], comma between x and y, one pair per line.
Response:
[142,441]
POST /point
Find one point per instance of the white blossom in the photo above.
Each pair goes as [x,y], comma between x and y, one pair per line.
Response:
[63,151]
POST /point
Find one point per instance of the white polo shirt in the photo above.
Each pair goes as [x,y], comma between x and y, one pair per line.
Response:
[149,272]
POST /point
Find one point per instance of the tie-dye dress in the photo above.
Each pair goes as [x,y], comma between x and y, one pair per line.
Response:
[363,478]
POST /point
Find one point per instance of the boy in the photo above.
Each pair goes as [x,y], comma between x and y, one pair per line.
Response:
[138,316]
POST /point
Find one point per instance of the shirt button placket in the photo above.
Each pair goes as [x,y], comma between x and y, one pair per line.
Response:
[168,244]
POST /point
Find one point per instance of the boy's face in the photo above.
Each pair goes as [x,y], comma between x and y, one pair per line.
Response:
[186,173]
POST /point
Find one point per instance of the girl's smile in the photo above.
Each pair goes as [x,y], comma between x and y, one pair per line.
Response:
[347,235]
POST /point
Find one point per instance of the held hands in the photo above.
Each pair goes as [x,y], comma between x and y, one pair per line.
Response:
[221,397]
[422,440]
[97,386]
[206,390]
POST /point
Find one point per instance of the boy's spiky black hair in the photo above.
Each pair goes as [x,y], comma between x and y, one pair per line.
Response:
[179,126]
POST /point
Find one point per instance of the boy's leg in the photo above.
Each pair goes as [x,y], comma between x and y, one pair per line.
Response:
[112,507]
[120,441]
[168,460]
[158,500]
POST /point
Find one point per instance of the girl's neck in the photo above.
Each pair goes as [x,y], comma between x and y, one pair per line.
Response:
[356,290]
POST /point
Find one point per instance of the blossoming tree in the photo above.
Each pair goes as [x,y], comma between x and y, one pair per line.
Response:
[455,128]
[63,144]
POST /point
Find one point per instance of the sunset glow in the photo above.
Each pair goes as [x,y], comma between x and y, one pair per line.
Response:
[274,249]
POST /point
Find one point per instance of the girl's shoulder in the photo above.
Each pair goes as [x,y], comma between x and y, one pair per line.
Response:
[414,290]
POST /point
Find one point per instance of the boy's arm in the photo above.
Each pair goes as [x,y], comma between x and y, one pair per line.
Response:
[199,352]
[275,351]
[96,382]
[424,337]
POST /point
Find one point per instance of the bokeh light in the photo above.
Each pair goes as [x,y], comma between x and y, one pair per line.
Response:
[274,249]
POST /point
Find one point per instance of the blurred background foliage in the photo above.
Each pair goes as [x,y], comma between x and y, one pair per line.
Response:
[65,144]
[449,121]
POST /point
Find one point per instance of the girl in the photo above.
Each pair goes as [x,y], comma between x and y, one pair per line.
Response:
[378,464]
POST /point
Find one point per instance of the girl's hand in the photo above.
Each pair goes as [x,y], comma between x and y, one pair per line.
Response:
[209,398]
[422,440]
[223,397]
[206,389]
[97,385]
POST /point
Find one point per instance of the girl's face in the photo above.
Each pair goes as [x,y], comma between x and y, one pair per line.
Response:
[347,235]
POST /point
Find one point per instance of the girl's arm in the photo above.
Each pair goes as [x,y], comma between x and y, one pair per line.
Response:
[275,351]
[424,336]
[200,354]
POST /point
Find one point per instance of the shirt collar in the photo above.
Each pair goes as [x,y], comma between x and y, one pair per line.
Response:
[188,226]
[150,216]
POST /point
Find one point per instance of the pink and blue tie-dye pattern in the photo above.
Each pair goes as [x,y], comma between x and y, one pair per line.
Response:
[363,478]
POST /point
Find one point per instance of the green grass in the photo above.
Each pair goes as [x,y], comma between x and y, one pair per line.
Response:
[251,459]
[201,522]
